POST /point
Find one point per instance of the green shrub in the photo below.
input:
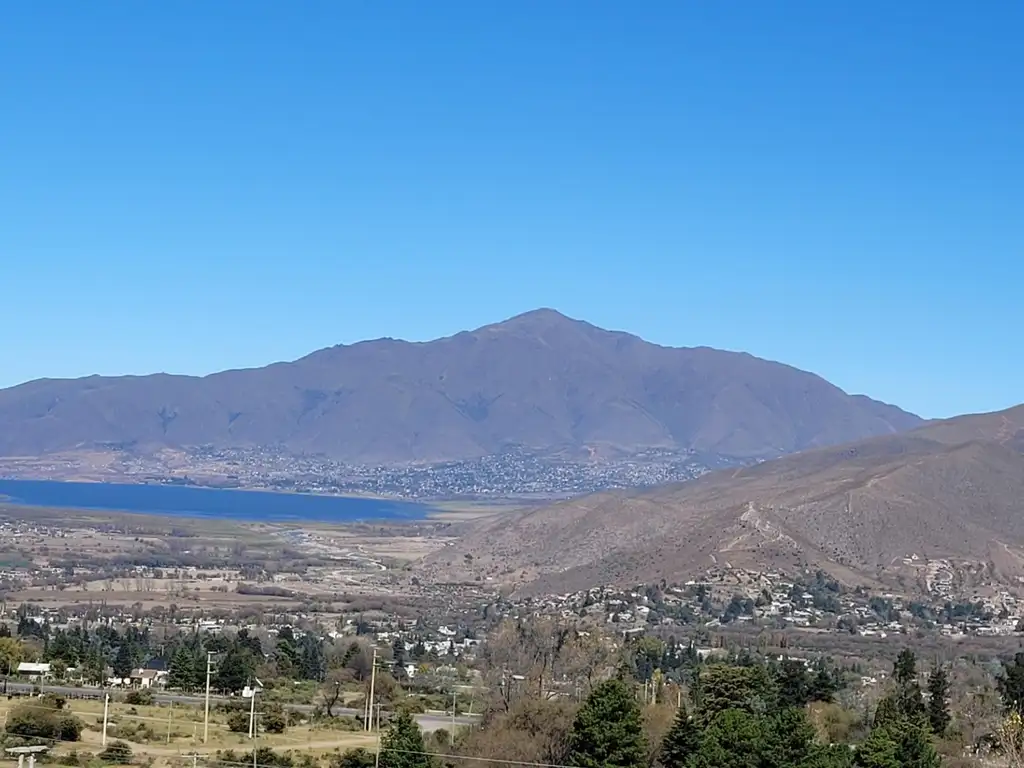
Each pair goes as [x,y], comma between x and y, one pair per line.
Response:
[140,698]
[117,752]
[238,721]
[45,719]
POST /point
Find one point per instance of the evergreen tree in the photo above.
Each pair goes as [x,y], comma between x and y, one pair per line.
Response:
[124,661]
[62,648]
[830,756]
[199,662]
[905,670]
[401,746]
[877,751]
[938,701]
[286,656]
[398,652]
[607,731]
[734,738]
[908,699]
[681,742]
[233,671]
[794,688]
[312,662]
[1011,684]
[887,712]
[823,686]
[249,642]
[722,686]
[789,739]
[914,745]
[94,667]
[181,672]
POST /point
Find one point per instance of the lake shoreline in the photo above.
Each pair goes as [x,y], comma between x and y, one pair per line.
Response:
[180,500]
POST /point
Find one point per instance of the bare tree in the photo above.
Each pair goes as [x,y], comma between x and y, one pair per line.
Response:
[542,657]
[330,691]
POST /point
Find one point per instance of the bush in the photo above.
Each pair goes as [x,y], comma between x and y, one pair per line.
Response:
[75,758]
[273,719]
[359,757]
[140,698]
[414,706]
[44,719]
[265,757]
[238,721]
[117,752]
[344,723]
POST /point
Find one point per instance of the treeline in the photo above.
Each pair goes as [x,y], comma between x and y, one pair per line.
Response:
[731,715]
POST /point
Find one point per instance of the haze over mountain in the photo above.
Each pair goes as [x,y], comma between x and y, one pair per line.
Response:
[539,380]
[952,490]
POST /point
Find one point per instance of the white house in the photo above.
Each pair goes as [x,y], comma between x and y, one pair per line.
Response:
[34,670]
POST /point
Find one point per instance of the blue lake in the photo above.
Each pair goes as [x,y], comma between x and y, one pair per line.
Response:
[186,501]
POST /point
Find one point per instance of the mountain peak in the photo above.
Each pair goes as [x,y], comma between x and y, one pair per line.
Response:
[540,317]
[539,379]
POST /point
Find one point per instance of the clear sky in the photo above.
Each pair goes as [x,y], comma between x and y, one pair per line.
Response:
[190,186]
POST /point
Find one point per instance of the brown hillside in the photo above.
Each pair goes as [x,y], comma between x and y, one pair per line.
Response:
[951,490]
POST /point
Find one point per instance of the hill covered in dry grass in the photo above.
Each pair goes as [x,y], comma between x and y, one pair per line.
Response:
[952,490]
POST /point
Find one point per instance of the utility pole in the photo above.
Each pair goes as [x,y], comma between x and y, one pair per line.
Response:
[452,736]
[106,708]
[170,714]
[254,743]
[252,706]
[206,714]
[376,759]
[369,702]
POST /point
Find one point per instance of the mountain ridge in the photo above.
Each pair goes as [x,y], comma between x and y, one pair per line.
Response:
[876,511]
[539,380]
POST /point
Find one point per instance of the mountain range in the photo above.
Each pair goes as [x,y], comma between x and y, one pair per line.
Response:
[947,497]
[539,381]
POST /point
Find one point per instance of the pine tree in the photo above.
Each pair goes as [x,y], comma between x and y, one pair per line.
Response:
[823,686]
[608,731]
[313,664]
[181,673]
[789,739]
[1011,685]
[233,671]
[401,745]
[938,701]
[286,656]
[734,738]
[199,659]
[681,742]
[398,652]
[722,687]
[905,670]
[124,661]
[877,751]
[915,748]
[793,685]
[94,666]
[887,712]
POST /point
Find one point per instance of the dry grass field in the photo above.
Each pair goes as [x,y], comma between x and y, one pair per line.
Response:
[150,561]
[165,734]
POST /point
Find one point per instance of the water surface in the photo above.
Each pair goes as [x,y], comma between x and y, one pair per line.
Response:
[187,501]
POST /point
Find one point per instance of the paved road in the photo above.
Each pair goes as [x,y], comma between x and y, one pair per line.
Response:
[428,722]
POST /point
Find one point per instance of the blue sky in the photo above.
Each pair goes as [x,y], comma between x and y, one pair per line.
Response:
[192,186]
